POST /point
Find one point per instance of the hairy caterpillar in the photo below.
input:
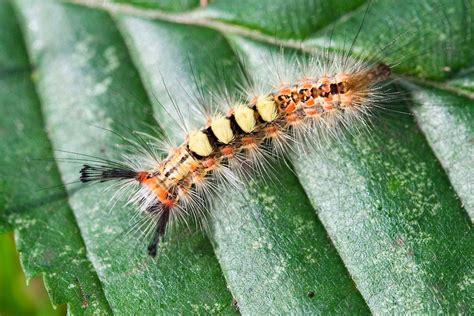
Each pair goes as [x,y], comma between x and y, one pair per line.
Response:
[323,98]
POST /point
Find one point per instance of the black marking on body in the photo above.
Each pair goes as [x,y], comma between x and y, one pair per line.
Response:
[174,167]
[183,159]
[295,96]
[169,171]
[341,88]
[211,137]
[283,100]
[235,126]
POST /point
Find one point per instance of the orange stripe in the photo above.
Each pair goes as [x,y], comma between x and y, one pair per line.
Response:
[310,102]
[290,107]
[141,176]
[161,193]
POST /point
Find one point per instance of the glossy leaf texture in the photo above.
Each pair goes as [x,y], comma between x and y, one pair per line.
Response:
[377,222]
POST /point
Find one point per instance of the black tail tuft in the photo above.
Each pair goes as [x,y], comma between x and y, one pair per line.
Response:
[102,173]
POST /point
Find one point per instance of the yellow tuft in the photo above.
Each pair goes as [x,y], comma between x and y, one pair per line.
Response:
[245,117]
[221,128]
[266,108]
[199,143]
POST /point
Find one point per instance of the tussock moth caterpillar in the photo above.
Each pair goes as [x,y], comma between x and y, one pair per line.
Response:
[268,119]
[289,112]
[321,96]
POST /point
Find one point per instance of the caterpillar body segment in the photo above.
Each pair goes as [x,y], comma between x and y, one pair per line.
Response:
[183,182]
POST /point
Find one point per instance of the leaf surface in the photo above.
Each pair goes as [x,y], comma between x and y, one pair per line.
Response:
[391,233]
[47,236]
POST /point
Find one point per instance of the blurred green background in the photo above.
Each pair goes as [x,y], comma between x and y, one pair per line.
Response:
[16,297]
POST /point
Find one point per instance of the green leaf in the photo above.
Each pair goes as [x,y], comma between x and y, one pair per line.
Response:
[412,35]
[448,123]
[464,82]
[390,234]
[287,19]
[47,235]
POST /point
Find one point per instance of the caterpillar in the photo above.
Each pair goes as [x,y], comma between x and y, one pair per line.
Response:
[320,97]
[262,125]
